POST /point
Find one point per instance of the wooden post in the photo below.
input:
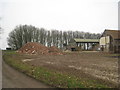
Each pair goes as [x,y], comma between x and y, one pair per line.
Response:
[77,44]
[87,45]
[84,46]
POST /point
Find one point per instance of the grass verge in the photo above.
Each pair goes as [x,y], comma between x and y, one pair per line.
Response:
[53,78]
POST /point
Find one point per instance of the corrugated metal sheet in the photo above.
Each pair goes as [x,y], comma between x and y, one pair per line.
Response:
[86,40]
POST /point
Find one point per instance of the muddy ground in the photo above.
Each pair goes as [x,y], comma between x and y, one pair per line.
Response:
[99,66]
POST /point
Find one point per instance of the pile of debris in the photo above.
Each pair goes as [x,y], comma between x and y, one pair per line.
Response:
[54,50]
[37,48]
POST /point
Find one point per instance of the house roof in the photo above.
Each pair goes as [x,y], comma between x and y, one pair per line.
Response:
[114,33]
[86,40]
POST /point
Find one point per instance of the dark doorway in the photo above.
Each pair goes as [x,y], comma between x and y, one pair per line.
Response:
[73,49]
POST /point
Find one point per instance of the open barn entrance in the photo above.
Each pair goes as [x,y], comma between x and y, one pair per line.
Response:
[83,44]
[88,46]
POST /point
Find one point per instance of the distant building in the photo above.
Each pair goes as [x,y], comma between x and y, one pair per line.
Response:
[110,41]
[77,44]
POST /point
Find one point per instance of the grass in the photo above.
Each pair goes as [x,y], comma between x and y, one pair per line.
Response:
[53,78]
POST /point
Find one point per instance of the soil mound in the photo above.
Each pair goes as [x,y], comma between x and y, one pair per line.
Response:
[54,50]
[37,48]
[33,48]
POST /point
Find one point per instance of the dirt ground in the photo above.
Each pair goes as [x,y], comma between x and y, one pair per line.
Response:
[93,65]
[15,79]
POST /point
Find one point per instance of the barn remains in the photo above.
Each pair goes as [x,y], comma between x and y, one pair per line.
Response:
[110,41]
[77,44]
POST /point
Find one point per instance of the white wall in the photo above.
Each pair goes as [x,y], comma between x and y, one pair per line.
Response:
[104,40]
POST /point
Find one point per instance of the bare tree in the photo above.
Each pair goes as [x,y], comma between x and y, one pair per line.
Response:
[61,39]
[21,35]
[48,39]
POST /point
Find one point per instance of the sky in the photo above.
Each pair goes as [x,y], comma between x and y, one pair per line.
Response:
[119,15]
[82,15]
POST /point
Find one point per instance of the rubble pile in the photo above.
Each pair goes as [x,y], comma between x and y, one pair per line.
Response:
[37,48]
[54,50]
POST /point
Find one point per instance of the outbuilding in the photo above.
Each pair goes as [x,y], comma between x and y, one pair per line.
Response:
[110,41]
[78,44]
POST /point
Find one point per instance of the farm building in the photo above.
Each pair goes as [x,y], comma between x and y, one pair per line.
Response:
[77,44]
[110,41]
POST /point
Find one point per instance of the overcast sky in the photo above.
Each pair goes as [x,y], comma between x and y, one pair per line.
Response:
[83,15]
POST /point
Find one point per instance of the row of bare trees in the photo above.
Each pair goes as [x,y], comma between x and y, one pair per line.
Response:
[28,33]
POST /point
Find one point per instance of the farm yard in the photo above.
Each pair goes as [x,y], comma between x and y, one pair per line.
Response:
[95,68]
[60,44]
[93,65]
[65,59]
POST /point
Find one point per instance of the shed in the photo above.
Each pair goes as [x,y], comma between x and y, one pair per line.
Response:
[83,44]
[110,41]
